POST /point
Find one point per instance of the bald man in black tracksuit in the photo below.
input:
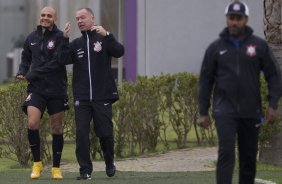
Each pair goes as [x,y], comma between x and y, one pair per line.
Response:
[47,88]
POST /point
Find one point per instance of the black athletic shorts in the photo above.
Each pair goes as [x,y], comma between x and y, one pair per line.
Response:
[54,105]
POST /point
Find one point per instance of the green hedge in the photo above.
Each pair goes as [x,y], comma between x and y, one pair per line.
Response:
[146,113]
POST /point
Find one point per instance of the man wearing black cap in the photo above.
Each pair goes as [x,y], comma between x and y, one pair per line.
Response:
[231,71]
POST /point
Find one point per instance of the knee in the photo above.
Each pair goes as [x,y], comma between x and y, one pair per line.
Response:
[33,125]
[56,128]
[33,122]
[226,152]
[107,139]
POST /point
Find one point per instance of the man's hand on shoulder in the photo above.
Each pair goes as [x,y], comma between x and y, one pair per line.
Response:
[99,29]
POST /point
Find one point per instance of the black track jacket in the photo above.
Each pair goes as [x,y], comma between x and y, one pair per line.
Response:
[233,74]
[91,56]
[39,63]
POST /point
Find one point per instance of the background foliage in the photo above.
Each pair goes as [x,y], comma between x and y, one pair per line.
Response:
[147,114]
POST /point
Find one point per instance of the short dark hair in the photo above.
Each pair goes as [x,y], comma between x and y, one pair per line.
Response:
[89,10]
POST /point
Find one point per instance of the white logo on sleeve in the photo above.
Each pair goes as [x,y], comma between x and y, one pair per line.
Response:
[33,43]
[80,53]
[28,97]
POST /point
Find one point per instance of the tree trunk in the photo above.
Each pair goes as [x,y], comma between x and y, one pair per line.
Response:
[272,154]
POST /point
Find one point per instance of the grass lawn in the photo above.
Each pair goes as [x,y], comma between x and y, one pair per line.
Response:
[68,157]
[10,172]
[22,177]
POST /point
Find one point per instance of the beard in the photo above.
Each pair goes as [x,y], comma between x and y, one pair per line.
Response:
[235,31]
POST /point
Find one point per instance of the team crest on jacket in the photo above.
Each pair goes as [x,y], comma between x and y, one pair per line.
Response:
[97,46]
[251,50]
[51,44]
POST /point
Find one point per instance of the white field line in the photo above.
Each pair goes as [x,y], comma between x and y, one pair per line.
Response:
[260,181]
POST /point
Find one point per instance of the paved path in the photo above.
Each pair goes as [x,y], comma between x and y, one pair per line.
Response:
[192,159]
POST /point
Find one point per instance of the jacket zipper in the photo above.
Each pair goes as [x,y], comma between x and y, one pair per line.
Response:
[42,47]
[238,74]
[89,70]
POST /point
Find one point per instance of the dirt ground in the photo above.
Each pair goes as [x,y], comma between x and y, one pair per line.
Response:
[193,159]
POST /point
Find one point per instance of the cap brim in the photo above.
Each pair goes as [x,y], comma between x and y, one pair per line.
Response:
[236,13]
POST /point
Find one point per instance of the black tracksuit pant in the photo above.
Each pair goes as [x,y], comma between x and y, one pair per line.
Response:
[246,132]
[101,114]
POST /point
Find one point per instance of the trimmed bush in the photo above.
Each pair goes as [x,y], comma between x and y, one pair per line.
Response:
[142,117]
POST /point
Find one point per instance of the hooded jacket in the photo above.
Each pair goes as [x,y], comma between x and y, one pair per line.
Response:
[91,56]
[232,73]
[39,63]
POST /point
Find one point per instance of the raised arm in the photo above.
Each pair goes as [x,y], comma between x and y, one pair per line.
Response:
[114,48]
[65,54]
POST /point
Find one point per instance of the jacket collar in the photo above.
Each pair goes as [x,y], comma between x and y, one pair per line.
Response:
[89,33]
[54,29]
[225,33]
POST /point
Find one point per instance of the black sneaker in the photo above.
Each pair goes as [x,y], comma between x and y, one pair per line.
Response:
[84,177]
[111,170]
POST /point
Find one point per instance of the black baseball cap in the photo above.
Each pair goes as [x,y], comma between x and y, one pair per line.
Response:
[237,8]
